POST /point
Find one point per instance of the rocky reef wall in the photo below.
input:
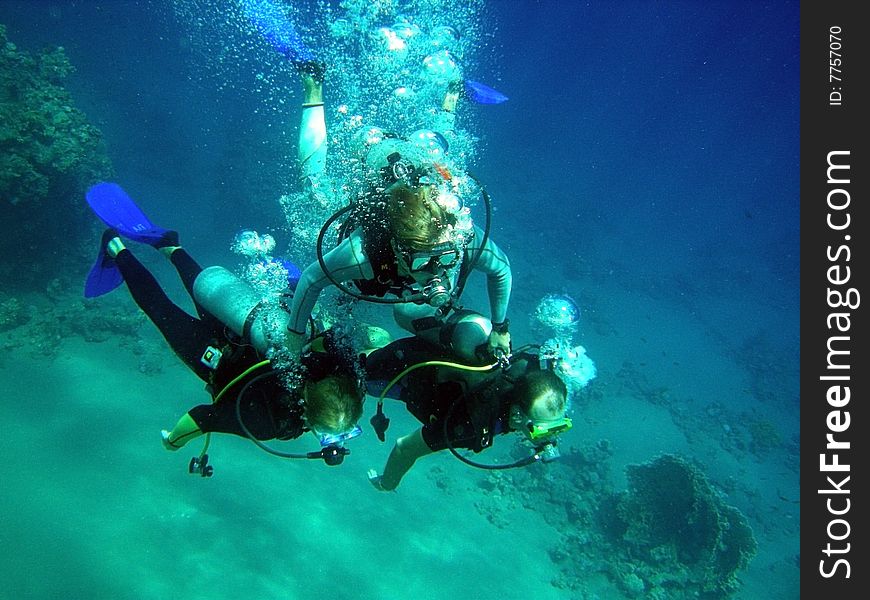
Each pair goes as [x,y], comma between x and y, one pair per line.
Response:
[49,155]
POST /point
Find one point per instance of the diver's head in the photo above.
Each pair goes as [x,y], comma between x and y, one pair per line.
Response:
[333,405]
[415,218]
[541,395]
[540,402]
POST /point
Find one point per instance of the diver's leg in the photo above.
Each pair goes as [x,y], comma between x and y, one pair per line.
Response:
[188,270]
[464,332]
[312,129]
[187,336]
[420,319]
[445,119]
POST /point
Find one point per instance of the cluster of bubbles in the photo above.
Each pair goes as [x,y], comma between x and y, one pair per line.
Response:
[389,64]
[272,278]
[229,55]
[560,314]
[268,275]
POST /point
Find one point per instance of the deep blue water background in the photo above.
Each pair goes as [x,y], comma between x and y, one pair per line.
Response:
[649,145]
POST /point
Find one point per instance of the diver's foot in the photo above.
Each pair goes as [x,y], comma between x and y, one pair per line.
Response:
[454,91]
[105,275]
[166,243]
[111,242]
[315,70]
[311,72]
[168,239]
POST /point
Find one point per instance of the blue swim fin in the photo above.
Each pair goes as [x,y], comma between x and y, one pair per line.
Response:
[483,94]
[104,276]
[118,211]
[273,23]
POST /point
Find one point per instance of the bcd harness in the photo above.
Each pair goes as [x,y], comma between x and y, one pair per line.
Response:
[485,407]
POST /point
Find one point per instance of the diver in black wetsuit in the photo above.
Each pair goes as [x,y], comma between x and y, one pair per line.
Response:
[249,397]
[463,408]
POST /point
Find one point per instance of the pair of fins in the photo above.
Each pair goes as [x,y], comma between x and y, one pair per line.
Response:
[118,211]
[272,22]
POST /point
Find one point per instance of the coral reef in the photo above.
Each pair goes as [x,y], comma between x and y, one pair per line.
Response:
[39,323]
[669,536]
[764,436]
[49,155]
[47,143]
[13,313]
[676,531]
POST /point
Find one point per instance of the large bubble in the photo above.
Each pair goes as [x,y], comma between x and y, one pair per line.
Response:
[559,312]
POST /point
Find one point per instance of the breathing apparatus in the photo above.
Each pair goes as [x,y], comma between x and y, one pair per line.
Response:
[541,434]
[436,291]
[332,450]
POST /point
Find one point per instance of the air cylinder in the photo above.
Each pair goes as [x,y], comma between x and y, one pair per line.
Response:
[231,300]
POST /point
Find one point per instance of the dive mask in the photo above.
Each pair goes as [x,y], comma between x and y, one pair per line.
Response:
[539,431]
[444,256]
[542,430]
[337,439]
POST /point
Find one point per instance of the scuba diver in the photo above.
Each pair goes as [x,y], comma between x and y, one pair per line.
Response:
[228,345]
[464,406]
[406,240]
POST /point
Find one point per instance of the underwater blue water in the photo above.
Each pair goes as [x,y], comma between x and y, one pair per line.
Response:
[646,164]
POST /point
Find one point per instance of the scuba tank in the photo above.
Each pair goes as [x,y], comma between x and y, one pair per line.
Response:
[235,303]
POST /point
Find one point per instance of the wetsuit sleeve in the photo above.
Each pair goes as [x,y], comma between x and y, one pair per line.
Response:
[345,262]
[216,418]
[497,267]
[265,420]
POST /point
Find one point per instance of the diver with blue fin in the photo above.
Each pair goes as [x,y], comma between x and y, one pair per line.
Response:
[228,345]
[407,239]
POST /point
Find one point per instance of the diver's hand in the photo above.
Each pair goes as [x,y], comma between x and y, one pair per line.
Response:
[164,435]
[375,480]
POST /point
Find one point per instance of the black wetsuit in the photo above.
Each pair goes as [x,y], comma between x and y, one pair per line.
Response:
[268,409]
[475,414]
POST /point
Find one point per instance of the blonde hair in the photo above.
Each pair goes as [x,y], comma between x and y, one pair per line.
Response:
[335,403]
[414,216]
